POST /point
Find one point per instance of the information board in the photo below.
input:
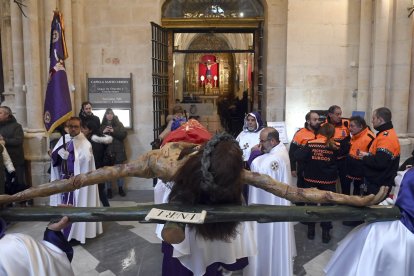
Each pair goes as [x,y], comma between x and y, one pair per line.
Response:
[107,92]
[115,93]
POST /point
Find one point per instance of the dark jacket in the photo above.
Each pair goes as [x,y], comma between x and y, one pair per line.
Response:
[301,138]
[381,165]
[84,118]
[320,162]
[119,134]
[13,135]
[2,176]
[408,162]
[99,145]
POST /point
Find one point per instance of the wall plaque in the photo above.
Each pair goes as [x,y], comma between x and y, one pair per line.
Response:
[115,93]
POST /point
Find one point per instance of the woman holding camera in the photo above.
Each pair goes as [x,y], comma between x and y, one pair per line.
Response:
[115,152]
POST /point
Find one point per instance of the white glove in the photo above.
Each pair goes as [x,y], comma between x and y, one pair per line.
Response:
[64,154]
[386,202]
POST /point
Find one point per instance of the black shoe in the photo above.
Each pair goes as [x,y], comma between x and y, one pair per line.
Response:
[121,192]
[109,193]
[325,235]
[74,242]
[311,232]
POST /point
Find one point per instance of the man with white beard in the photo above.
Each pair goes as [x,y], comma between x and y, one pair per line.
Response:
[249,136]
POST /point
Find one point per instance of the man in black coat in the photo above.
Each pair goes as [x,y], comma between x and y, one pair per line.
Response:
[12,136]
[85,114]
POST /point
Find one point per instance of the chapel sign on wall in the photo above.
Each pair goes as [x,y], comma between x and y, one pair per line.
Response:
[115,93]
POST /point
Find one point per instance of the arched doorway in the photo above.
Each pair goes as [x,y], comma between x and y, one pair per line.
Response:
[212,61]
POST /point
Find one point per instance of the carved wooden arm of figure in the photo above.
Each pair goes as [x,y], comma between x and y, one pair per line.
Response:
[311,195]
[163,163]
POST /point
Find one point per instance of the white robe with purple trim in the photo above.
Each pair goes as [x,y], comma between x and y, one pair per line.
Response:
[247,140]
[87,196]
[21,255]
[196,253]
[275,241]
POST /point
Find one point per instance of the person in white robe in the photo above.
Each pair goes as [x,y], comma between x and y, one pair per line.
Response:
[249,136]
[79,159]
[380,248]
[275,241]
[20,254]
[197,253]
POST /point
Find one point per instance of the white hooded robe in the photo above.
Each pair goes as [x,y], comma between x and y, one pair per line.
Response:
[275,241]
[87,196]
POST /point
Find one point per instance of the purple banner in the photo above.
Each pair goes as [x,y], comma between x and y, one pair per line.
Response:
[58,107]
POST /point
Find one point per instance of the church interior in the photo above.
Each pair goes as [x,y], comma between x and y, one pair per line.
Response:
[218,59]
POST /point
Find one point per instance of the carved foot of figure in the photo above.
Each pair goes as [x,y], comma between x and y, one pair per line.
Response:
[173,232]
[326,237]
[121,192]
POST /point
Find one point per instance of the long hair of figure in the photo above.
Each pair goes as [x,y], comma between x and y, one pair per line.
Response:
[212,176]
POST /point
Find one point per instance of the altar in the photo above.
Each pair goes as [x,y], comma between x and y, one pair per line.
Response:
[209,99]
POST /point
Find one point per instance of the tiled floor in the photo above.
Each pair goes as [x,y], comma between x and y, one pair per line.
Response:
[131,248]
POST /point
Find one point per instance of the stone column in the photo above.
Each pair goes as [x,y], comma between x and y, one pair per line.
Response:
[7,56]
[18,65]
[78,41]
[364,66]
[33,70]
[401,64]
[275,101]
[410,114]
[380,54]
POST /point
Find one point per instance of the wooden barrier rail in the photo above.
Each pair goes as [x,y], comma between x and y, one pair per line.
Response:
[260,213]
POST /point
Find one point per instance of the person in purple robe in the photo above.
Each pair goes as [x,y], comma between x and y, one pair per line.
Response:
[72,155]
[383,247]
[20,254]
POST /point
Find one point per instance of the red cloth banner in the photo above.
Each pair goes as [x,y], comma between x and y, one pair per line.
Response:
[192,132]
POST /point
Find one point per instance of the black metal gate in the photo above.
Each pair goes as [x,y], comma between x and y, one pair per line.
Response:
[159,79]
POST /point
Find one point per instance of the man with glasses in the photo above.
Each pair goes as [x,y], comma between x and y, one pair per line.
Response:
[273,258]
[342,137]
[71,156]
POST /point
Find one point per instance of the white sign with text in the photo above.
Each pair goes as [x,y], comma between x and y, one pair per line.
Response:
[177,216]
[281,128]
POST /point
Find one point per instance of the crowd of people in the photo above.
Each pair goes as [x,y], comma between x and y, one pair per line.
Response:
[80,145]
[348,151]
[338,155]
[320,153]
